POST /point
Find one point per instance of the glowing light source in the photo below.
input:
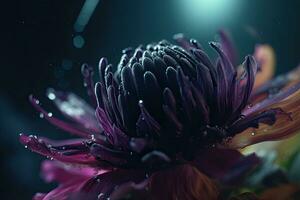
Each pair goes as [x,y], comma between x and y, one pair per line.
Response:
[85,14]
[209,12]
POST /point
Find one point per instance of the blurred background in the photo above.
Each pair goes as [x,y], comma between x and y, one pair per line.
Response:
[45,42]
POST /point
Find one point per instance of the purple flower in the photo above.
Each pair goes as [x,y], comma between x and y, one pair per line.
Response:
[167,124]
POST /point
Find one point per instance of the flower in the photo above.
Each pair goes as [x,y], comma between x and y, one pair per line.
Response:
[166,125]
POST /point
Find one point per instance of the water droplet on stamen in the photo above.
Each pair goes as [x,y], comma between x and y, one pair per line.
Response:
[50,114]
[41,115]
[26,146]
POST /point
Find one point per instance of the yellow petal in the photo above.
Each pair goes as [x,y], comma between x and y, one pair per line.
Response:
[265,56]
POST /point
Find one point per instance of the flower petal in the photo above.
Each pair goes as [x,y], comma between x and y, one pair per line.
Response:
[75,108]
[182,182]
[287,191]
[226,165]
[76,152]
[265,57]
[63,191]
[228,46]
[267,103]
[71,128]
[103,185]
[282,128]
[62,173]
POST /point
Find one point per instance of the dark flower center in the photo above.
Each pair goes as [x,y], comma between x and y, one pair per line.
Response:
[173,99]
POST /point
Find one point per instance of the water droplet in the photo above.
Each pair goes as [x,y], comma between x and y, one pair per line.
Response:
[37,101]
[41,115]
[93,137]
[26,146]
[140,101]
[50,114]
[51,96]
[131,153]
[252,133]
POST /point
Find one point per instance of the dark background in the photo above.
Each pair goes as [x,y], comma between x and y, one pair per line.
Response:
[37,51]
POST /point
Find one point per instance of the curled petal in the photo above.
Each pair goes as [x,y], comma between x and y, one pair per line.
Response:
[114,135]
[282,128]
[267,117]
[279,83]
[267,103]
[76,152]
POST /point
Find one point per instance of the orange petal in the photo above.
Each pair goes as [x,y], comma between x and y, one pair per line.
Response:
[284,127]
[283,192]
[265,56]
